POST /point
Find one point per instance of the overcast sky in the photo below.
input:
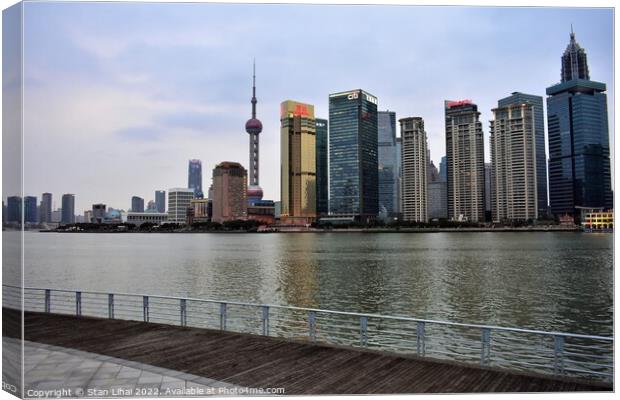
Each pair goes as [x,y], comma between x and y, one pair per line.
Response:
[119,96]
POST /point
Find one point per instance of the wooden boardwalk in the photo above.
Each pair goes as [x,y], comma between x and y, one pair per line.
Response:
[257,361]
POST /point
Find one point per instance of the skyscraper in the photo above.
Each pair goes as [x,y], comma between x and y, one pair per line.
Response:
[353,155]
[45,214]
[230,183]
[68,209]
[388,164]
[30,209]
[579,166]
[14,209]
[298,158]
[194,178]
[137,204]
[513,157]
[415,164]
[179,200]
[465,161]
[254,127]
[488,189]
[443,169]
[518,98]
[322,177]
[160,201]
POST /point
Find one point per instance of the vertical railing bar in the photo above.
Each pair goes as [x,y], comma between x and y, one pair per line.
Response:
[364,331]
[485,348]
[421,339]
[145,308]
[312,326]
[78,303]
[111,305]
[183,306]
[222,316]
[265,320]
[48,296]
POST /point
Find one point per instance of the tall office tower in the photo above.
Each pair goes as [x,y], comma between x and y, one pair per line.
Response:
[298,158]
[179,200]
[14,209]
[230,183]
[194,178]
[415,165]
[513,156]
[353,158]
[98,213]
[465,161]
[68,209]
[254,127]
[399,179]
[322,177]
[137,204]
[518,98]
[432,173]
[488,189]
[388,164]
[30,209]
[45,214]
[579,166]
[443,169]
[160,201]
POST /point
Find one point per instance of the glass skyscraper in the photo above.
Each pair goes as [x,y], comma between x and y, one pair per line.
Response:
[194,178]
[322,180]
[353,155]
[388,164]
[30,209]
[137,204]
[579,166]
[45,213]
[68,209]
[518,98]
[160,201]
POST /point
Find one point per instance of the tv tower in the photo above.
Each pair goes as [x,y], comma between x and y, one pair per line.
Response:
[254,127]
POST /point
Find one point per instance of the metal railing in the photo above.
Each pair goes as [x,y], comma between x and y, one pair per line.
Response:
[528,350]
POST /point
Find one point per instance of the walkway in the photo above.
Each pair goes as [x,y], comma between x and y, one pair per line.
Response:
[267,362]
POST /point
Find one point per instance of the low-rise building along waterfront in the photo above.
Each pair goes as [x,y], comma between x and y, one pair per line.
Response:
[179,200]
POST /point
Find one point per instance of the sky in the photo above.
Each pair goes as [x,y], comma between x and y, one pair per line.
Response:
[119,96]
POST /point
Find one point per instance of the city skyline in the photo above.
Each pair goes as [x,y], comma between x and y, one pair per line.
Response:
[201,114]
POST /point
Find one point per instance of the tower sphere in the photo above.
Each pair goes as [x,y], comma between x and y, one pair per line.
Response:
[253,126]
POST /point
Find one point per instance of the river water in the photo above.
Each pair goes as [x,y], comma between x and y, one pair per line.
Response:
[557,281]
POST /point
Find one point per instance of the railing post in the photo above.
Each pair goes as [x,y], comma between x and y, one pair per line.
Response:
[559,354]
[421,339]
[265,320]
[183,312]
[312,326]
[78,303]
[222,316]
[485,352]
[111,305]
[145,308]
[364,331]
[48,300]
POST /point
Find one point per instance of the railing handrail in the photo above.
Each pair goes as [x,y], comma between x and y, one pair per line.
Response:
[318,310]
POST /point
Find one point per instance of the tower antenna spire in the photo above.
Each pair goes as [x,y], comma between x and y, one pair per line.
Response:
[254,88]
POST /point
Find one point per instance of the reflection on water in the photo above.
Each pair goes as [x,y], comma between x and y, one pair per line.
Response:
[547,280]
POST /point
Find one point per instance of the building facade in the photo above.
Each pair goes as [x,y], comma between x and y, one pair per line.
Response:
[230,183]
[415,169]
[160,200]
[298,163]
[536,102]
[98,213]
[465,161]
[45,210]
[14,209]
[488,190]
[388,165]
[200,210]
[577,122]
[353,155]
[139,218]
[30,210]
[513,158]
[68,209]
[194,178]
[322,171]
[179,200]
[137,204]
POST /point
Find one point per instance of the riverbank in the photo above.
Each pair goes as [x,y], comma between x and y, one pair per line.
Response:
[296,229]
